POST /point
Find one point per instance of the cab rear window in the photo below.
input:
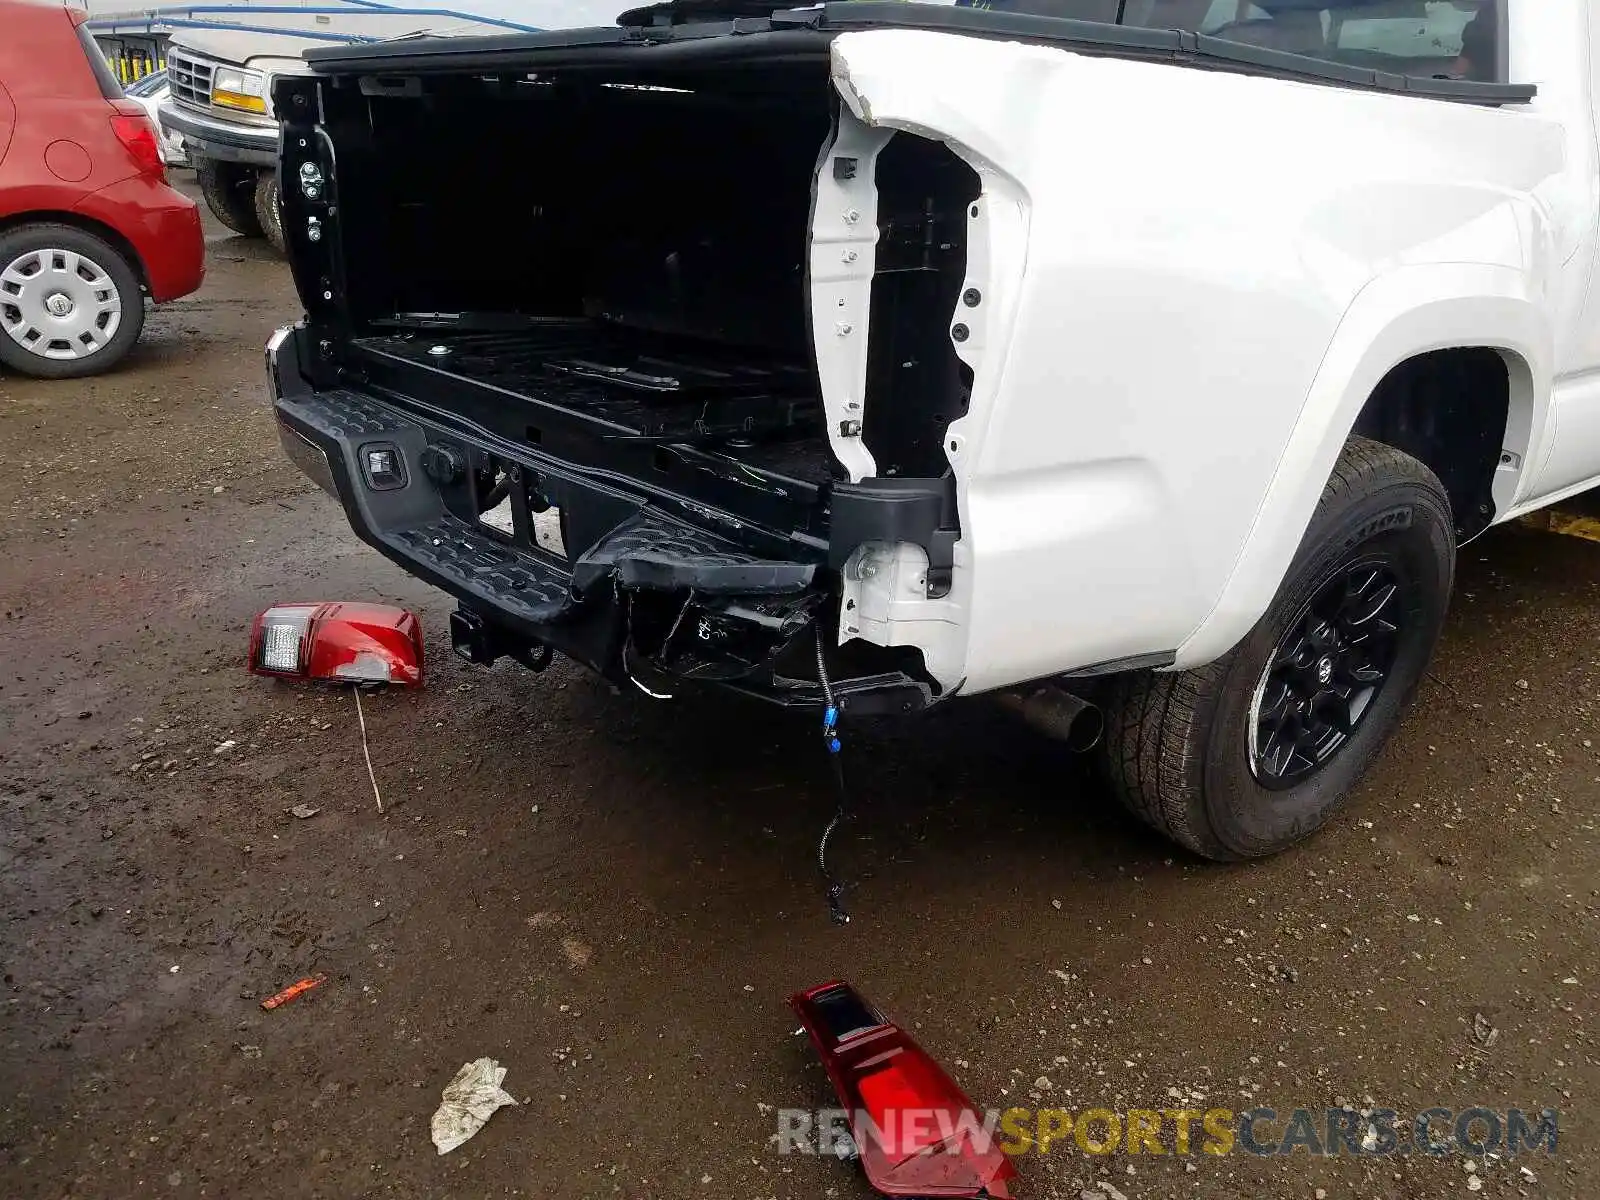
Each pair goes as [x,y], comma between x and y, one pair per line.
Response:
[1432,39]
[1450,39]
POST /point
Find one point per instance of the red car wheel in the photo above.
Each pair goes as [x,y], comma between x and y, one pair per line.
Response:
[70,302]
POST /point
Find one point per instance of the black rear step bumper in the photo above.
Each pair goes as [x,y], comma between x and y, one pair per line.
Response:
[731,617]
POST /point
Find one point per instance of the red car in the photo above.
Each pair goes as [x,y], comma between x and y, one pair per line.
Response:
[88,225]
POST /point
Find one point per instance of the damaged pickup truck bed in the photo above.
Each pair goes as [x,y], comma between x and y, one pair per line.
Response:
[1153,355]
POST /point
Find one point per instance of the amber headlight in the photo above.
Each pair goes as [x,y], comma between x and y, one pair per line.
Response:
[235,88]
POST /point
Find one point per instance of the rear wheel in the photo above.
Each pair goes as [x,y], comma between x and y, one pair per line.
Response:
[1242,757]
[230,192]
[70,302]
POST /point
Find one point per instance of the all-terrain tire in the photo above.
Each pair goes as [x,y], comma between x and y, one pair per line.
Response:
[269,213]
[1178,748]
[230,193]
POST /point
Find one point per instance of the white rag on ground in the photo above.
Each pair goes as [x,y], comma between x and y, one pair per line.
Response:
[468,1102]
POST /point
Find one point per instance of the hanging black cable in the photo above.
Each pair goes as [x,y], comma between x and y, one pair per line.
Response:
[831,744]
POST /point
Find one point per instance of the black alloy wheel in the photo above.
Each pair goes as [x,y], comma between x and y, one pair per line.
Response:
[1325,673]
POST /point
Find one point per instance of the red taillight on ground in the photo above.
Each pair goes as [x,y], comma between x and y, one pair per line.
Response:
[345,643]
[138,136]
[916,1131]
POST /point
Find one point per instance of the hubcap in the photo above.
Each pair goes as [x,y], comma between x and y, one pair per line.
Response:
[1323,676]
[58,304]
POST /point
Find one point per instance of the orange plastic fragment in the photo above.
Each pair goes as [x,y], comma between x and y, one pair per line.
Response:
[293,990]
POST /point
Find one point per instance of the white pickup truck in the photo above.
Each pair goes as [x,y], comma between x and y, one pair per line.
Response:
[1148,358]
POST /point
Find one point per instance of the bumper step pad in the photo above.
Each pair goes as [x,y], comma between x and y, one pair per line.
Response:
[647,551]
[512,580]
[651,550]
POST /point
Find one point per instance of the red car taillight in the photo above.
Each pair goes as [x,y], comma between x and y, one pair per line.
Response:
[345,643]
[915,1130]
[138,137]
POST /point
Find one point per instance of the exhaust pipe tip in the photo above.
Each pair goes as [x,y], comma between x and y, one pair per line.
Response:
[1087,729]
[1058,714]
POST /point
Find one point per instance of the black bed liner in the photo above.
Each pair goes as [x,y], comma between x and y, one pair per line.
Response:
[616,376]
[494,387]
[706,35]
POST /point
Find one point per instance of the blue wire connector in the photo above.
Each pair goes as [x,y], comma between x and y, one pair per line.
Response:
[830,719]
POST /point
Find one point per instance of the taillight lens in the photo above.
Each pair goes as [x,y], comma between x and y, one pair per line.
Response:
[345,643]
[281,638]
[915,1130]
[138,137]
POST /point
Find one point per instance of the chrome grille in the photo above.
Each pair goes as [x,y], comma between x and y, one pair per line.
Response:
[190,78]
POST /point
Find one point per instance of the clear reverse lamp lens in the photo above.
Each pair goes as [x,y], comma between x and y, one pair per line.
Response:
[283,638]
[280,646]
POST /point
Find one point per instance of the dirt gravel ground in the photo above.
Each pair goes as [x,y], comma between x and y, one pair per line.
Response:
[613,897]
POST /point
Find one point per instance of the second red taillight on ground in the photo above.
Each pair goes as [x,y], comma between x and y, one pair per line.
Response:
[916,1131]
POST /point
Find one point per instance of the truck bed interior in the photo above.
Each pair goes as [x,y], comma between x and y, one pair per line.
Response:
[631,255]
[640,384]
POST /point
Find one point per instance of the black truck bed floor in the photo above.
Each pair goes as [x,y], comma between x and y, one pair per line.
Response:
[760,410]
